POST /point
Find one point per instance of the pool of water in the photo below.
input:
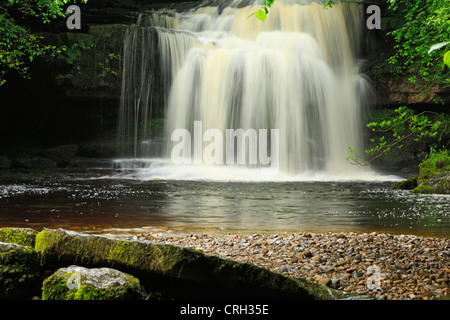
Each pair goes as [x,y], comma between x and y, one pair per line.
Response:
[99,204]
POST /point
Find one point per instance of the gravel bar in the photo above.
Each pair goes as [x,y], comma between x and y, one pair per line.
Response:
[385,266]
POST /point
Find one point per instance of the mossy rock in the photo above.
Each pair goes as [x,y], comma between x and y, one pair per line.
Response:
[443,186]
[423,190]
[441,182]
[438,163]
[19,271]
[22,236]
[191,271]
[407,184]
[79,283]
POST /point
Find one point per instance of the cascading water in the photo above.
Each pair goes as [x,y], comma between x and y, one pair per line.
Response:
[296,72]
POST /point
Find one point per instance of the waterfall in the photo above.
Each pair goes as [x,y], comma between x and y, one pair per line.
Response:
[296,72]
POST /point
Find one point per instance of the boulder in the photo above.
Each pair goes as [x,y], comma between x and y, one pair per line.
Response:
[19,271]
[423,190]
[79,283]
[441,182]
[407,184]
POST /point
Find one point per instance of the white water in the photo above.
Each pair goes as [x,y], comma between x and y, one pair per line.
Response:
[296,72]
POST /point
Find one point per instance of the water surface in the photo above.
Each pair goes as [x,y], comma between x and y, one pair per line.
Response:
[99,204]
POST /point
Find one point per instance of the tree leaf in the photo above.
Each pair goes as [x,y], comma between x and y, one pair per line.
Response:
[261,15]
[447,59]
[438,46]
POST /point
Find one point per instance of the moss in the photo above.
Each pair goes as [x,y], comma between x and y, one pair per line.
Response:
[54,288]
[22,236]
[19,271]
[59,286]
[407,184]
[58,244]
[423,190]
[435,164]
[443,185]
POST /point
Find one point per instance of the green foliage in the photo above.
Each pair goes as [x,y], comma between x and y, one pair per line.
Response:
[424,24]
[262,13]
[19,46]
[156,123]
[446,58]
[436,162]
[88,65]
[328,4]
[404,126]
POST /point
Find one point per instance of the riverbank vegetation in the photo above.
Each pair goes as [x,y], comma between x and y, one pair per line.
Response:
[19,45]
[420,31]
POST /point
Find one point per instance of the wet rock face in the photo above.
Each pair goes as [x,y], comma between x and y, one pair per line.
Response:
[79,283]
[400,91]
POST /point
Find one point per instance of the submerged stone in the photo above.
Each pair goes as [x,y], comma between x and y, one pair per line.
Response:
[79,283]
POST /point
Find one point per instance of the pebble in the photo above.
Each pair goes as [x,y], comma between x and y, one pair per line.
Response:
[323,281]
[407,266]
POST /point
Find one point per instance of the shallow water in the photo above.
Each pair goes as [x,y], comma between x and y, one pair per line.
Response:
[130,205]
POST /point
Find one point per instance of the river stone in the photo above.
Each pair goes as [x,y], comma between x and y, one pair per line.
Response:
[19,271]
[323,280]
[80,283]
